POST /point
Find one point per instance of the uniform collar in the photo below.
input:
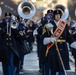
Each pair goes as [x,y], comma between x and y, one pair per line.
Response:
[57,22]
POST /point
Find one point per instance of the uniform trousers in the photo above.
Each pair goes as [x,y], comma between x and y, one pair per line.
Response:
[54,72]
[8,69]
[45,69]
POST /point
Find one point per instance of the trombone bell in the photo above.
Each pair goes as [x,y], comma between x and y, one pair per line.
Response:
[26,10]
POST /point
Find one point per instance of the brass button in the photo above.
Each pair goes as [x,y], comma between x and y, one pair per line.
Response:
[6,38]
[7,43]
[9,38]
[60,49]
[10,43]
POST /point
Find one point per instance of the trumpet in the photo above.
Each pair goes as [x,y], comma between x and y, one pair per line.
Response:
[14,24]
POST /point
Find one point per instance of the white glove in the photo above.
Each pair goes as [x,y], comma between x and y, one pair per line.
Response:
[13,17]
[73,45]
[53,40]
[48,40]
[35,32]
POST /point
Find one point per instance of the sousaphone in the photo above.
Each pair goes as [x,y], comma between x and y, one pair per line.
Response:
[64,10]
[26,10]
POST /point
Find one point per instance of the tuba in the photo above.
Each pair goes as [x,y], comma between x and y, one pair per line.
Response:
[64,10]
[26,10]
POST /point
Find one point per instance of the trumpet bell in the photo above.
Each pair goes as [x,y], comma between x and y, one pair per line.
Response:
[64,10]
[0,11]
[26,10]
[14,24]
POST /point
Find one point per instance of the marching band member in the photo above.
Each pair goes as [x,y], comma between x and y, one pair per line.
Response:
[43,64]
[57,52]
[31,26]
[9,55]
[49,15]
[73,33]
[20,37]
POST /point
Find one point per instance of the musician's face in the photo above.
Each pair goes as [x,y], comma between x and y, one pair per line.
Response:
[57,17]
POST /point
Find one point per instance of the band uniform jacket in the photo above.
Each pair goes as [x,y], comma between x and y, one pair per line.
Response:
[7,44]
[42,48]
[74,36]
[52,56]
[20,37]
[31,28]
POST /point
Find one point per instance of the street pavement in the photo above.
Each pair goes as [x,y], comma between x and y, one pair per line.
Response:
[31,64]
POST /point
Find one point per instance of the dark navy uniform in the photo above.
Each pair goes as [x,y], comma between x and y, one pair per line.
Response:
[74,50]
[30,37]
[53,57]
[20,37]
[20,47]
[43,64]
[10,56]
[9,47]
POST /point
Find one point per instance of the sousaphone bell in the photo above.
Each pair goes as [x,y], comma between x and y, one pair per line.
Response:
[64,10]
[26,10]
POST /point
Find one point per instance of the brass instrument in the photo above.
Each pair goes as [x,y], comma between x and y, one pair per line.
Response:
[64,10]
[26,10]
[14,24]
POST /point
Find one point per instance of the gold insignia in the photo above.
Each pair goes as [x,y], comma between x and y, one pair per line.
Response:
[21,33]
[24,32]
[43,31]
